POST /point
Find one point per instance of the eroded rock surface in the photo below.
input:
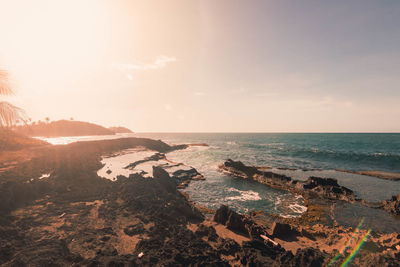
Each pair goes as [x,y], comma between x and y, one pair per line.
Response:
[76,218]
[392,205]
[327,188]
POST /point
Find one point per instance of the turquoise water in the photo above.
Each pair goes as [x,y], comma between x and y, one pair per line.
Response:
[309,154]
[350,151]
[319,154]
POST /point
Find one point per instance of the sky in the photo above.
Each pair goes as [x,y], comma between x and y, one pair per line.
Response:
[206,66]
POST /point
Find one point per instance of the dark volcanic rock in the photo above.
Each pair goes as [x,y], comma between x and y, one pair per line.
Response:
[222,214]
[237,168]
[78,219]
[163,178]
[309,257]
[328,188]
[315,186]
[284,231]
[132,230]
[232,220]
[154,157]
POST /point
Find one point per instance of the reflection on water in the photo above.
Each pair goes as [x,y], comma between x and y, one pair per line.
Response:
[70,139]
[378,220]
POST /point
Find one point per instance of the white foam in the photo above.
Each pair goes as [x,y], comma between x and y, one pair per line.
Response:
[278,201]
[297,208]
[244,195]
[45,175]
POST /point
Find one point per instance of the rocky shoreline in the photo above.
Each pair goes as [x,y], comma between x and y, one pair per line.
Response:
[314,187]
[74,217]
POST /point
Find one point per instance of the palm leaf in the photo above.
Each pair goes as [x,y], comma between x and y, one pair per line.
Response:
[5,88]
[9,114]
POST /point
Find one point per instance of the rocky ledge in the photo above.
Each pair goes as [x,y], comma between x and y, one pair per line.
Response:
[76,218]
[392,205]
[327,188]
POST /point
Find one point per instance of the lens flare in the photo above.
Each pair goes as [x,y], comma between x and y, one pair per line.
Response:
[346,246]
[356,250]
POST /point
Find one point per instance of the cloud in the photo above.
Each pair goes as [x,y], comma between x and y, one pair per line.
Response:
[159,63]
[199,93]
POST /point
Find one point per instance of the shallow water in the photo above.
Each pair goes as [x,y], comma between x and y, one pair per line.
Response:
[322,152]
[378,220]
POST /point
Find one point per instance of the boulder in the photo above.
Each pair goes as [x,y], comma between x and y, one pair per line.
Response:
[221,215]
[232,220]
[283,231]
[162,176]
[237,168]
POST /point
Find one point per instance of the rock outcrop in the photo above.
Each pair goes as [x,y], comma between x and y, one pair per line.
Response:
[233,221]
[326,188]
[392,205]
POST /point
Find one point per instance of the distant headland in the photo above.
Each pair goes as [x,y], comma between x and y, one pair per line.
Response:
[67,128]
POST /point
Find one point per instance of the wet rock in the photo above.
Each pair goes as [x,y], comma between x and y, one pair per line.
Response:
[237,168]
[155,157]
[327,188]
[191,173]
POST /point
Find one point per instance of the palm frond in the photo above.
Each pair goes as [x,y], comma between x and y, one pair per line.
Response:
[9,114]
[5,87]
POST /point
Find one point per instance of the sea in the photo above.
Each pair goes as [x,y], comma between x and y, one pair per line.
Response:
[298,155]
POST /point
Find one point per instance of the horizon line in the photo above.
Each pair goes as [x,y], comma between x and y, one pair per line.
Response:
[281,132]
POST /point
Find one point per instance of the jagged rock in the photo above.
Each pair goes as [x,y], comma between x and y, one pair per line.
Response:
[231,219]
[283,231]
[154,157]
[309,257]
[222,214]
[392,205]
[164,179]
[315,186]
[186,174]
[328,188]
[237,168]
[209,232]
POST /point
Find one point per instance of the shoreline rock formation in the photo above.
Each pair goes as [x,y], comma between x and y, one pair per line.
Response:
[392,205]
[326,188]
[76,218]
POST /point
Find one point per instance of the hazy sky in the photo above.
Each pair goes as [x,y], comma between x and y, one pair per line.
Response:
[206,65]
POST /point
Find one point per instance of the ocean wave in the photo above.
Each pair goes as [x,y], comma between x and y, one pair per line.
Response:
[232,143]
[244,195]
[278,201]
